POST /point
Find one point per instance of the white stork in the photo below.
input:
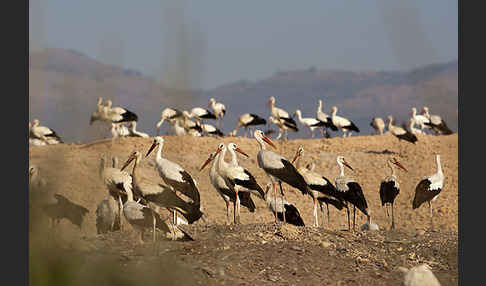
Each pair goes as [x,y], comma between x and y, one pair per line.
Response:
[159,194]
[378,124]
[115,180]
[237,178]
[309,122]
[390,188]
[277,168]
[436,122]
[283,127]
[219,110]
[343,123]
[281,114]
[211,130]
[412,129]
[178,127]
[34,141]
[323,117]
[248,120]
[200,113]
[223,190]
[351,192]
[419,119]
[168,114]
[173,174]
[318,185]
[429,188]
[400,133]
[189,124]
[117,114]
[284,210]
[44,133]
[119,130]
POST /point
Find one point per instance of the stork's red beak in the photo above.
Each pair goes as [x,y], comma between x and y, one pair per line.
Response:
[347,165]
[130,159]
[151,148]
[241,152]
[400,165]
[158,131]
[295,157]
[206,163]
[269,142]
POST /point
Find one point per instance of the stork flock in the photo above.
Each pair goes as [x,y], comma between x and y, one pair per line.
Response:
[141,201]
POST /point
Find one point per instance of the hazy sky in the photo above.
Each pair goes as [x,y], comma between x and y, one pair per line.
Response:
[204,44]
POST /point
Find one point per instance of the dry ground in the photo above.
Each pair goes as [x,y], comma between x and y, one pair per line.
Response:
[258,251]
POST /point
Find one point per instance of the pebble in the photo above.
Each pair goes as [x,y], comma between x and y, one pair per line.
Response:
[325,244]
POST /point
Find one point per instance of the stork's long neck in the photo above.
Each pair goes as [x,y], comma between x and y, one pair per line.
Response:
[136,171]
[234,159]
[439,167]
[342,169]
[298,163]
[390,126]
[129,195]
[391,168]
[159,152]
[319,107]
[299,116]
[334,111]
[221,163]
[214,164]
[262,144]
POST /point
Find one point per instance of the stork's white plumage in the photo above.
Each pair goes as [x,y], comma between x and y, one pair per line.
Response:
[178,127]
[237,178]
[219,110]
[168,114]
[419,119]
[117,114]
[134,132]
[283,127]
[281,114]
[390,188]
[277,168]
[189,125]
[248,120]
[211,130]
[400,133]
[323,117]
[350,191]
[343,123]
[115,180]
[200,113]
[318,185]
[44,133]
[309,122]
[119,130]
[284,210]
[429,188]
[436,122]
[378,124]
[412,129]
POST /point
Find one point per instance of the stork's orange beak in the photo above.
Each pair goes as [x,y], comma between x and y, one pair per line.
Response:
[269,142]
[206,163]
[151,148]
[297,154]
[347,165]
[400,165]
[130,159]
[241,152]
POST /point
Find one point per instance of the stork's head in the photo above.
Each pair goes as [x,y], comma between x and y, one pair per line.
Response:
[211,102]
[299,153]
[393,160]
[100,101]
[260,137]
[109,102]
[297,112]
[271,101]
[35,122]
[233,147]
[158,140]
[390,119]
[341,161]
[135,155]
[334,109]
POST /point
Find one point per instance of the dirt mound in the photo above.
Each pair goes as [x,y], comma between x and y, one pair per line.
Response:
[258,251]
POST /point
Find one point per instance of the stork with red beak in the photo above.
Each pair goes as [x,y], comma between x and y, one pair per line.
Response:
[277,168]
[390,188]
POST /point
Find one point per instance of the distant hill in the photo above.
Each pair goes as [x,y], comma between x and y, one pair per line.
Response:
[64,86]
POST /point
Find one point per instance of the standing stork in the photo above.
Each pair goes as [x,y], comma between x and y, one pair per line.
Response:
[309,122]
[436,122]
[419,119]
[343,123]
[44,133]
[118,114]
[429,188]
[200,113]
[133,132]
[283,127]
[116,180]
[284,210]
[351,192]
[378,124]
[209,129]
[159,194]
[224,190]
[321,116]
[168,114]
[237,178]
[277,168]
[280,114]
[390,188]
[400,133]
[248,120]
[318,185]
[173,174]
[219,110]
[412,129]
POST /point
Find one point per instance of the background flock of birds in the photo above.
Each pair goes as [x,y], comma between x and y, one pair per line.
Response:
[141,201]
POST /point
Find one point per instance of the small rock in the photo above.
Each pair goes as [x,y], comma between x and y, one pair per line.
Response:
[325,244]
[420,232]
[273,278]
[400,249]
[296,248]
